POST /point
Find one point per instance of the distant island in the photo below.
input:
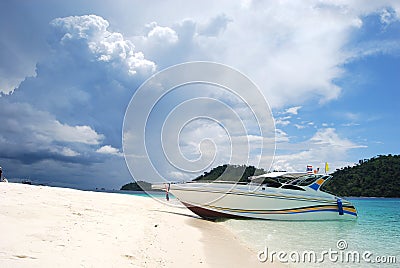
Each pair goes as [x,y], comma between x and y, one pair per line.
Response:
[137,186]
[375,177]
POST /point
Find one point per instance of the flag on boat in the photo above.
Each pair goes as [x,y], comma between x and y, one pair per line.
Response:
[309,169]
[326,167]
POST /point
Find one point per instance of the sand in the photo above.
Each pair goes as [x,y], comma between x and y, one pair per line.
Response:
[58,227]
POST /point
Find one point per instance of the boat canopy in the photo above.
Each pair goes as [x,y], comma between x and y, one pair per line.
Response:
[276,174]
[277,179]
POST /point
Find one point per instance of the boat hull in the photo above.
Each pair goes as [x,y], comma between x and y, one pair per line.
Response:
[242,202]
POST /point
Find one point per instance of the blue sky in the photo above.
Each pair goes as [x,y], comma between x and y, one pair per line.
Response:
[328,69]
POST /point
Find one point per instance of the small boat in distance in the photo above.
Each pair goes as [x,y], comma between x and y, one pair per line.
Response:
[271,196]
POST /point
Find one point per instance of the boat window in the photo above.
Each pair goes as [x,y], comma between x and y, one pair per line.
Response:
[307,180]
[292,187]
[283,179]
[272,183]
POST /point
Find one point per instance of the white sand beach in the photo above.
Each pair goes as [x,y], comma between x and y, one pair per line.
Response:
[57,227]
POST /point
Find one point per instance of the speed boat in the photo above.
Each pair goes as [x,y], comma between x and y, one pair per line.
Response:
[271,196]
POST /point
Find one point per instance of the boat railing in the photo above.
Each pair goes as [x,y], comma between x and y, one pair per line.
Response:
[221,182]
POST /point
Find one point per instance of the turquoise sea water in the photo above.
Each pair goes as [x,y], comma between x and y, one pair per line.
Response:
[376,231]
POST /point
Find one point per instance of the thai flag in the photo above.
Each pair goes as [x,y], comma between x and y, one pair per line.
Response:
[309,169]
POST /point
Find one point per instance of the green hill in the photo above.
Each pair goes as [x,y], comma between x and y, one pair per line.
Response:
[375,177]
[230,173]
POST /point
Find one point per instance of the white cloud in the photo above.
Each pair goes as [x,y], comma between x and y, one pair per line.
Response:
[352,124]
[282,121]
[7,85]
[169,45]
[388,16]
[161,35]
[281,136]
[69,152]
[351,116]
[66,133]
[23,119]
[83,84]
[299,126]
[105,45]
[32,135]
[329,137]
[215,26]
[324,146]
[293,110]
[108,149]
[292,61]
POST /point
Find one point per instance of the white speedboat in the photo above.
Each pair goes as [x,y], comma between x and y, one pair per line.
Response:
[271,196]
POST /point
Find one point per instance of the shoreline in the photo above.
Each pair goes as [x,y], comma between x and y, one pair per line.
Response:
[45,226]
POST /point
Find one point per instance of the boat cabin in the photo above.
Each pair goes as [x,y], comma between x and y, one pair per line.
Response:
[290,180]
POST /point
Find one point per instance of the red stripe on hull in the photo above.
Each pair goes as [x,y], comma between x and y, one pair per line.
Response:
[210,214]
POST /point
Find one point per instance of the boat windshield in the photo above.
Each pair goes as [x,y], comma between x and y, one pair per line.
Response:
[307,179]
[289,179]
